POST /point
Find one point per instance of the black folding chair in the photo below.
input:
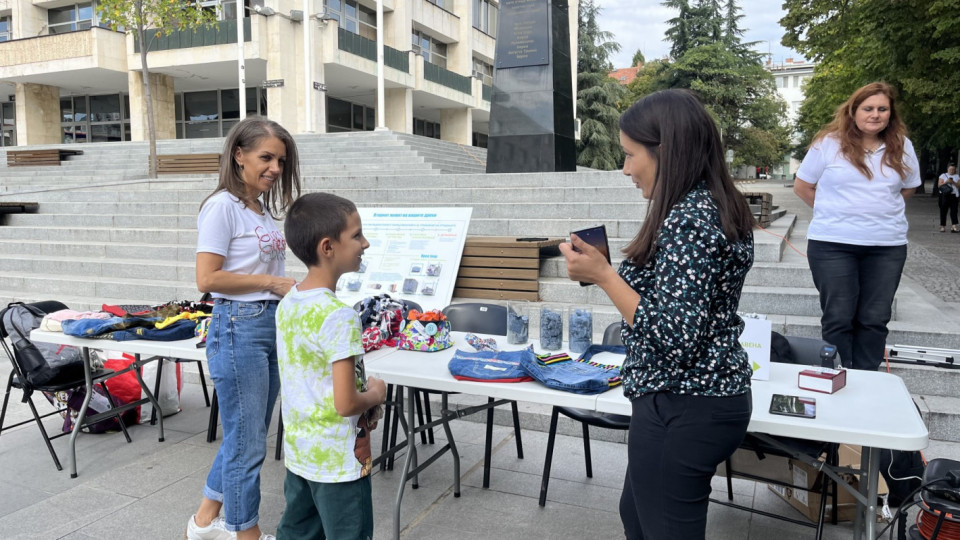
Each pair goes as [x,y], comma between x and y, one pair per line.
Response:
[587,418]
[68,379]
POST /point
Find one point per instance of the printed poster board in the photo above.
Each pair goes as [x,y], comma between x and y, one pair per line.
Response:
[414,254]
[755,339]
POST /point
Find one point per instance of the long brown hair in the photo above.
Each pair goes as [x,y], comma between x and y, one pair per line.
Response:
[844,127]
[246,135]
[679,133]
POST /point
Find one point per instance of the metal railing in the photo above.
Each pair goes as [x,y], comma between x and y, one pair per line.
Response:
[222,33]
[445,77]
[353,43]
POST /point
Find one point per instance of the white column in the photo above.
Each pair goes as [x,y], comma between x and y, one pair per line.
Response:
[241,67]
[381,113]
[307,71]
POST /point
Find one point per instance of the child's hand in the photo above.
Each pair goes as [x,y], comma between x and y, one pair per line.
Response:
[377,388]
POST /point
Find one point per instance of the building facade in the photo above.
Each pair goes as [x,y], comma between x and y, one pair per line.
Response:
[791,77]
[309,64]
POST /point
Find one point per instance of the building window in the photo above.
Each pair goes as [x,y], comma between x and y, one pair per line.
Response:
[8,124]
[70,18]
[5,34]
[480,139]
[353,17]
[211,113]
[483,71]
[104,118]
[433,51]
[426,128]
[485,16]
[346,116]
[438,3]
[222,10]
[796,81]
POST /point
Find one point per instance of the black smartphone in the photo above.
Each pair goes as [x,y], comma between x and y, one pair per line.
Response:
[804,407]
[596,237]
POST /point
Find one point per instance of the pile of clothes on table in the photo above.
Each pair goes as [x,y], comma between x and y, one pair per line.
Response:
[167,322]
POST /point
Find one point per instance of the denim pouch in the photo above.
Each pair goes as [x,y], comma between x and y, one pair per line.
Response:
[490,366]
[580,376]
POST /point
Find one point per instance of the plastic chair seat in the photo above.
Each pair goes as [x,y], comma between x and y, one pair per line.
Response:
[596,419]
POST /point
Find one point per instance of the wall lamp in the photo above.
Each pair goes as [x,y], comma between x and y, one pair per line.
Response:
[295,15]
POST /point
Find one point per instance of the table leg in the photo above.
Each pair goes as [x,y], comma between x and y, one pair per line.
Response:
[411,453]
[150,396]
[453,445]
[873,468]
[88,385]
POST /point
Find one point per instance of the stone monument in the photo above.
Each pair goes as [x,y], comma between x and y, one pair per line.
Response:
[531,108]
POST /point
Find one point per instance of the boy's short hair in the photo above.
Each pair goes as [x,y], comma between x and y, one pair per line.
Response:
[312,218]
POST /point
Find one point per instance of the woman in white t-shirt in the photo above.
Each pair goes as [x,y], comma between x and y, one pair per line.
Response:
[240,261]
[949,198]
[857,175]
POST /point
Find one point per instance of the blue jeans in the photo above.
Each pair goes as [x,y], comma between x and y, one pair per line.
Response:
[857,285]
[578,377]
[242,358]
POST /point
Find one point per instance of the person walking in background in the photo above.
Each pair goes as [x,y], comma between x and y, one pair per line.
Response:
[857,175]
[240,261]
[678,289]
[949,196]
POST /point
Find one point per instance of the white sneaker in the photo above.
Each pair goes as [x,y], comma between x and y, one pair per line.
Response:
[216,530]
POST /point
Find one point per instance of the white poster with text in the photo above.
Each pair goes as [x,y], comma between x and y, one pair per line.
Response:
[414,254]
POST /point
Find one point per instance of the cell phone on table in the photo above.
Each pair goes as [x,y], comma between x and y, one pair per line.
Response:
[804,407]
[596,237]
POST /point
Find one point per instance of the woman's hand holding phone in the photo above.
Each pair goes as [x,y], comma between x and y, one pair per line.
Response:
[585,263]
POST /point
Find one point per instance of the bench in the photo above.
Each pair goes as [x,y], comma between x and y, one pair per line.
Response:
[18,207]
[50,156]
[188,164]
[501,268]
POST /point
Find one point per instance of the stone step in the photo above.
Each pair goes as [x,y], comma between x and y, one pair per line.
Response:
[95,289]
[942,416]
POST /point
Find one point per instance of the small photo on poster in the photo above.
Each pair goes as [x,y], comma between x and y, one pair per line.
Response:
[410,286]
[416,268]
[354,282]
[429,288]
[363,266]
[433,269]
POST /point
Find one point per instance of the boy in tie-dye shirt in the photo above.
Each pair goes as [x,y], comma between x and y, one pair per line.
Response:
[329,406]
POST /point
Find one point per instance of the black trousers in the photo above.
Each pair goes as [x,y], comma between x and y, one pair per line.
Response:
[948,202]
[857,285]
[674,446]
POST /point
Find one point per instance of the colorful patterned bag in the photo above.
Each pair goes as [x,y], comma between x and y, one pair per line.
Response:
[425,332]
[381,318]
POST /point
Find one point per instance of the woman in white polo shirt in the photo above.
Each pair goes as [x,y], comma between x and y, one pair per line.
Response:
[857,175]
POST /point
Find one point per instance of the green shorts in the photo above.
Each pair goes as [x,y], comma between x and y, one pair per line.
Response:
[316,510]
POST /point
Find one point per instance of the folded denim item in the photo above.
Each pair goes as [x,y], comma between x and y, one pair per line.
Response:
[490,366]
[580,376]
[96,327]
[184,329]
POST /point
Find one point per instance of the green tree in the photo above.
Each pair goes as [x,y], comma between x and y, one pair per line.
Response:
[140,16]
[638,58]
[911,44]
[598,95]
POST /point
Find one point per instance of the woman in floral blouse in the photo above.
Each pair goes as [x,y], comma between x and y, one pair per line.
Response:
[678,289]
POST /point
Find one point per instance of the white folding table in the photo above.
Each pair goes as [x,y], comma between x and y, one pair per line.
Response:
[143,351]
[875,411]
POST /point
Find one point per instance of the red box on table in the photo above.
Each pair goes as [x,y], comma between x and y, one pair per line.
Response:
[824,380]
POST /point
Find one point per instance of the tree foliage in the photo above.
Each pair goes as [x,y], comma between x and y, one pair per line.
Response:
[727,76]
[638,58]
[911,44]
[598,95]
[164,16]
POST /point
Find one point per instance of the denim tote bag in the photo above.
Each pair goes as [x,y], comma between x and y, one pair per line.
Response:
[490,366]
[580,376]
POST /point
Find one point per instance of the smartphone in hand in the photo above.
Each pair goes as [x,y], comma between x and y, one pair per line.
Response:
[804,407]
[596,237]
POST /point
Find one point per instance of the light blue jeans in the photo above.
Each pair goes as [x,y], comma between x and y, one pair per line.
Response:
[242,358]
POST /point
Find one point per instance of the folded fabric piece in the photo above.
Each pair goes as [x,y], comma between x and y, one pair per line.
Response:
[185,315]
[184,329]
[580,376]
[52,322]
[96,327]
[481,344]
[490,366]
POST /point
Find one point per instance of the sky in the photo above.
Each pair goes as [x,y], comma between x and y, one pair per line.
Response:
[640,24]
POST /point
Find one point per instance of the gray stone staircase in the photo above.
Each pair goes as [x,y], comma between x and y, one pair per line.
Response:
[107,234]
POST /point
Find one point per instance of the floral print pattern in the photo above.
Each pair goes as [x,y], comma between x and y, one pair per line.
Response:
[685,330]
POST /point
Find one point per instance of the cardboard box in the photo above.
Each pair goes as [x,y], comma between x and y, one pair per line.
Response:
[746,461]
[808,502]
[823,380]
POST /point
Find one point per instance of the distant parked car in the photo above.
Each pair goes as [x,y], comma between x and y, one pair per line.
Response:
[764,176]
